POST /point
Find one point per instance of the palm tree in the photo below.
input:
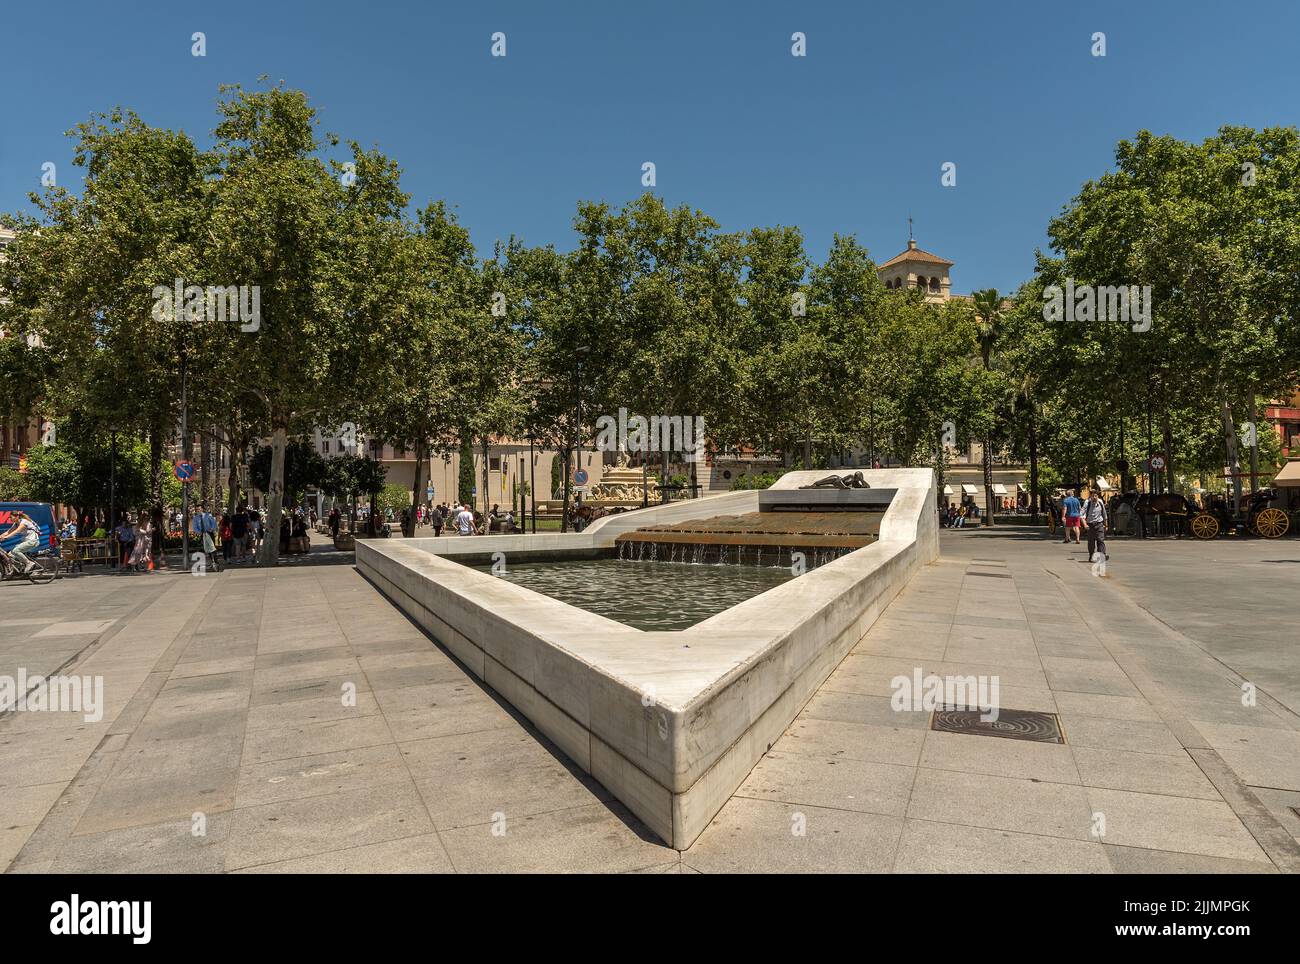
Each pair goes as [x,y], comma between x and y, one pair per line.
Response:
[988,321]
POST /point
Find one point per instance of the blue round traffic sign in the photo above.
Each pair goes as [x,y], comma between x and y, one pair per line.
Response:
[580,477]
[183,470]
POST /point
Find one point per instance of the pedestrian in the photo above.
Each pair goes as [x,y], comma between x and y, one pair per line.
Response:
[1070,512]
[142,551]
[465,522]
[204,525]
[227,538]
[334,518]
[437,521]
[125,533]
[239,531]
[1095,520]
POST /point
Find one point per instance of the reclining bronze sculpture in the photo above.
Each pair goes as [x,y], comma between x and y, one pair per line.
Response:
[854,481]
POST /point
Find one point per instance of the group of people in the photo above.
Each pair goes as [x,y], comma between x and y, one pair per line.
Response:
[464,521]
[956,516]
[1089,515]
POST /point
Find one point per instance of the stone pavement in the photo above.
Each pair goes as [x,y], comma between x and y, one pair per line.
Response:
[294,721]
[1158,743]
[43,627]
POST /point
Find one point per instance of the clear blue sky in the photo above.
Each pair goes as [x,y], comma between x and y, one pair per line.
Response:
[850,138]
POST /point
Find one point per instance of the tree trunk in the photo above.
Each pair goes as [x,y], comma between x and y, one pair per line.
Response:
[1169,451]
[205,474]
[807,451]
[233,482]
[487,495]
[1234,459]
[988,482]
[564,517]
[939,457]
[1254,447]
[408,529]
[275,497]
[1033,468]
[155,466]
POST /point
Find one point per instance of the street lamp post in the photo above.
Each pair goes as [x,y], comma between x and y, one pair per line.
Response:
[578,354]
[532,480]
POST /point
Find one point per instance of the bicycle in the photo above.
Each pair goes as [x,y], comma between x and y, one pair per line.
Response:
[37,573]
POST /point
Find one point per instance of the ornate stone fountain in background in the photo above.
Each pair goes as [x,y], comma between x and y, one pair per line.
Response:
[623,485]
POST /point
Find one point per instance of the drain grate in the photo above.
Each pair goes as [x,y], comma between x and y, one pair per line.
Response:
[991,575]
[1029,725]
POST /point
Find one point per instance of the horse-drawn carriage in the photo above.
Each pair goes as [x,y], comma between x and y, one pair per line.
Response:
[1133,511]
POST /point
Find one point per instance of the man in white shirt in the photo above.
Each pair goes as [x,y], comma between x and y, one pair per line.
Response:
[465,522]
[204,525]
[203,522]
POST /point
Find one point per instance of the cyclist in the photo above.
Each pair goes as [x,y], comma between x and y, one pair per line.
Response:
[26,527]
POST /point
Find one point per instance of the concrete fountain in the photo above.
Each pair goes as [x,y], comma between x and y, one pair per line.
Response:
[671,723]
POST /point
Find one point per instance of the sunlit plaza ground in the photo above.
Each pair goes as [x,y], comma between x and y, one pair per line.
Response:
[224,744]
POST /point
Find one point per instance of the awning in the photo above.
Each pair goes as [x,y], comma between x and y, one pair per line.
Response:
[967,489]
[1289,476]
[999,488]
[947,490]
[1103,484]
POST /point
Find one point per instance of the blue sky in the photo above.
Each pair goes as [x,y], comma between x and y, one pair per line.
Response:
[850,138]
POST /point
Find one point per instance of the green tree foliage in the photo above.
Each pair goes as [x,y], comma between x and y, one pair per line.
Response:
[14,486]
[1212,228]
[304,468]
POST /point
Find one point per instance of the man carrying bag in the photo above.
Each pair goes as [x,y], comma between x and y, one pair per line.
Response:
[1094,520]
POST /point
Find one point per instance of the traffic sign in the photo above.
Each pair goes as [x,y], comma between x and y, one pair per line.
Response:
[429,492]
[183,470]
[580,477]
[1157,462]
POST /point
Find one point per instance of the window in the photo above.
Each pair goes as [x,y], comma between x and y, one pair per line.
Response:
[494,463]
[326,445]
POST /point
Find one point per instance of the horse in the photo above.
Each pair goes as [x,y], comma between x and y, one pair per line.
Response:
[585,515]
[1141,505]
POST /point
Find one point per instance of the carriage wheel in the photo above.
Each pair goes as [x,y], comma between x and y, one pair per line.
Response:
[1272,523]
[1205,526]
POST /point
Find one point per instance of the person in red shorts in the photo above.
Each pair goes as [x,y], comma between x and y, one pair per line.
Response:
[1071,510]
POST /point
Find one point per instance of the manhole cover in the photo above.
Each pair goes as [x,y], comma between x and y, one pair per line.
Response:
[1010,724]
